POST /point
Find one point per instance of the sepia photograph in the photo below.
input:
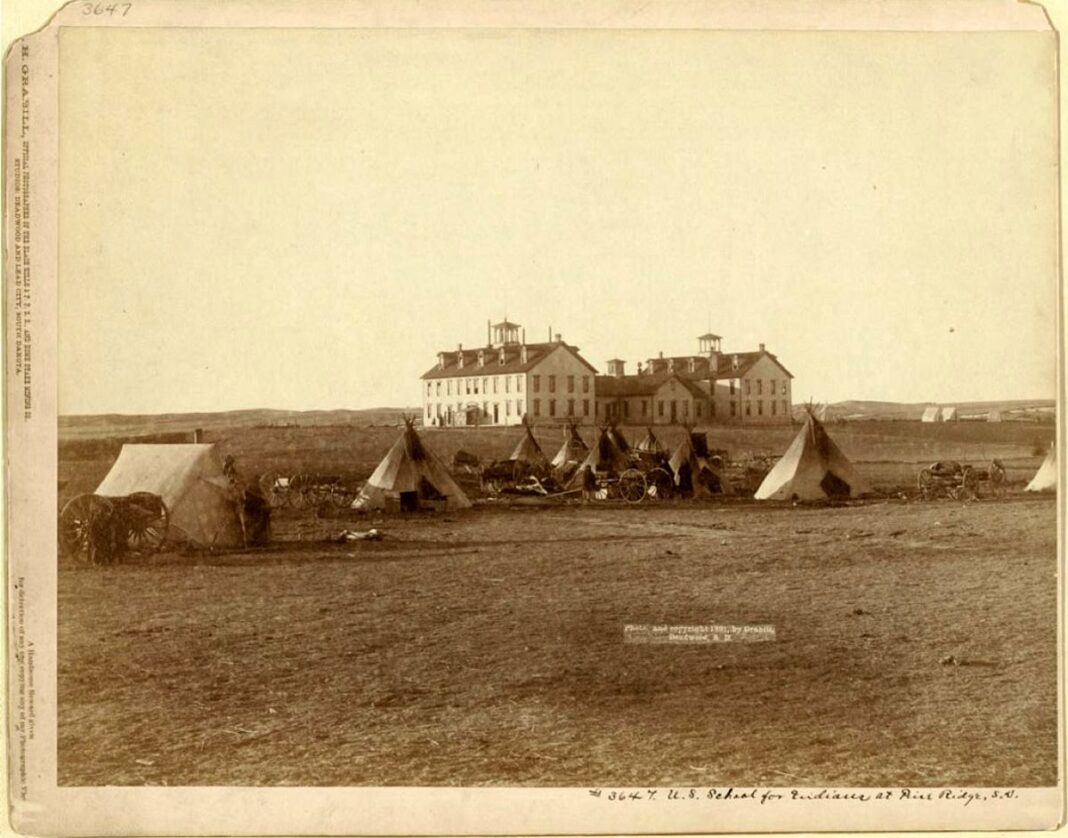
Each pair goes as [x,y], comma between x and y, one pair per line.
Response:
[639,411]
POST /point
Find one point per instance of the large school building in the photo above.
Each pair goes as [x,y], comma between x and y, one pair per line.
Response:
[509,378]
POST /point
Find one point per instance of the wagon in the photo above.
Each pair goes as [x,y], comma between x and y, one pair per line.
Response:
[959,481]
[106,529]
[307,490]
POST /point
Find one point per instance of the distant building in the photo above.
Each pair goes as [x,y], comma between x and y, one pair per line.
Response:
[499,383]
[709,387]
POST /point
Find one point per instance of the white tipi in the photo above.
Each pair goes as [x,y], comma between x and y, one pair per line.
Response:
[1045,479]
[411,476]
[812,468]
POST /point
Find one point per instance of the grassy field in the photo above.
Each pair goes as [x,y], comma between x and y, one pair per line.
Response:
[915,641]
[915,645]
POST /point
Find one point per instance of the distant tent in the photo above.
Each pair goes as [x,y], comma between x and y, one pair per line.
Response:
[821,413]
[949,414]
[993,416]
[411,476]
[605,456]
[202,509]
[528,450]
[573,450]
[1045,480]
[932,414]
[650,444]
[812,468]
[690,467]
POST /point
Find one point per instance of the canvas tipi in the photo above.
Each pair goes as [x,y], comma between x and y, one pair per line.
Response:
[1045,479]
[812,468]
[690,467]
[189,478]
[650,444]
[573,450]
[528,450]
[410,476]
[605,456]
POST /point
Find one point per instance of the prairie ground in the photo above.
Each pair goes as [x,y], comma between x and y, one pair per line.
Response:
[915,644]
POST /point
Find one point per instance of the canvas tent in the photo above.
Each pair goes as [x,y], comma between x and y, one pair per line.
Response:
[605,456]
[528,450]
[410,476]
[949,414]
[1045,479]
[932,413]
[650,444]
[812,468]
[993,416]
[573,450]
[202,508]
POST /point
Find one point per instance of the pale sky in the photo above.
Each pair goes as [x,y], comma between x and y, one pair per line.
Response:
[302,219]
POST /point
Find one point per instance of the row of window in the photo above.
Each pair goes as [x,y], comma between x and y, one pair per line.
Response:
[470,386]
[494,410]
[735,385]
[535,383]
[773,407]
[676,410]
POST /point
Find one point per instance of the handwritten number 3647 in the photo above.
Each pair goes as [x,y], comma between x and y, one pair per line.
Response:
[106,9]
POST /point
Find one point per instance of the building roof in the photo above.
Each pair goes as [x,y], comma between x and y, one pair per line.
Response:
[506,324]
[536,352]
[746,361]
[647,384]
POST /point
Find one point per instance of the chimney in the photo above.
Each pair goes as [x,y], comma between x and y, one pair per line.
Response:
[441,360]
[550,334]
[489,337]
[761,347]
[198,436]
[459,355]
[639,367]
[661,353]
[523,337]
[558,338]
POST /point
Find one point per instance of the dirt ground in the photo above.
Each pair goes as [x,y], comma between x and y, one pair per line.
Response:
[915,644]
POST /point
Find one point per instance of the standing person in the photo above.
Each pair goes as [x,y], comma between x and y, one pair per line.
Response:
[589,484]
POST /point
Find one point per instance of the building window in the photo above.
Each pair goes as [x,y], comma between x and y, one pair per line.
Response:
[645,407]
[571,384]
[507,408]
[697,409]
[519,384]
[485,408]
[585,384]
[626,409]
[734,408]
[537,383]
[785,408]
[475,386]
[771,389]
[660,408]
[760,386]
[537,407]
[748,387]
[552,407]
[685,410]
[518,407]
[774,407]
[712,408]
[585,407]
[552,383]
[467,386]
[428,388]
[760,407]
[495,384]
[437,388]
[732,386]
[500,357]
[570,407]
[784,392]
[748,408]
[507,384]
[448,387]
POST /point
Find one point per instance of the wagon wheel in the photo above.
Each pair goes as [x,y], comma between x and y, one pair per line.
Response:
[969,483]
[661,485]
[148,520]
[295,496]
[268,484]
[74,525]
[632,485]
[341,496]
[925,481]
